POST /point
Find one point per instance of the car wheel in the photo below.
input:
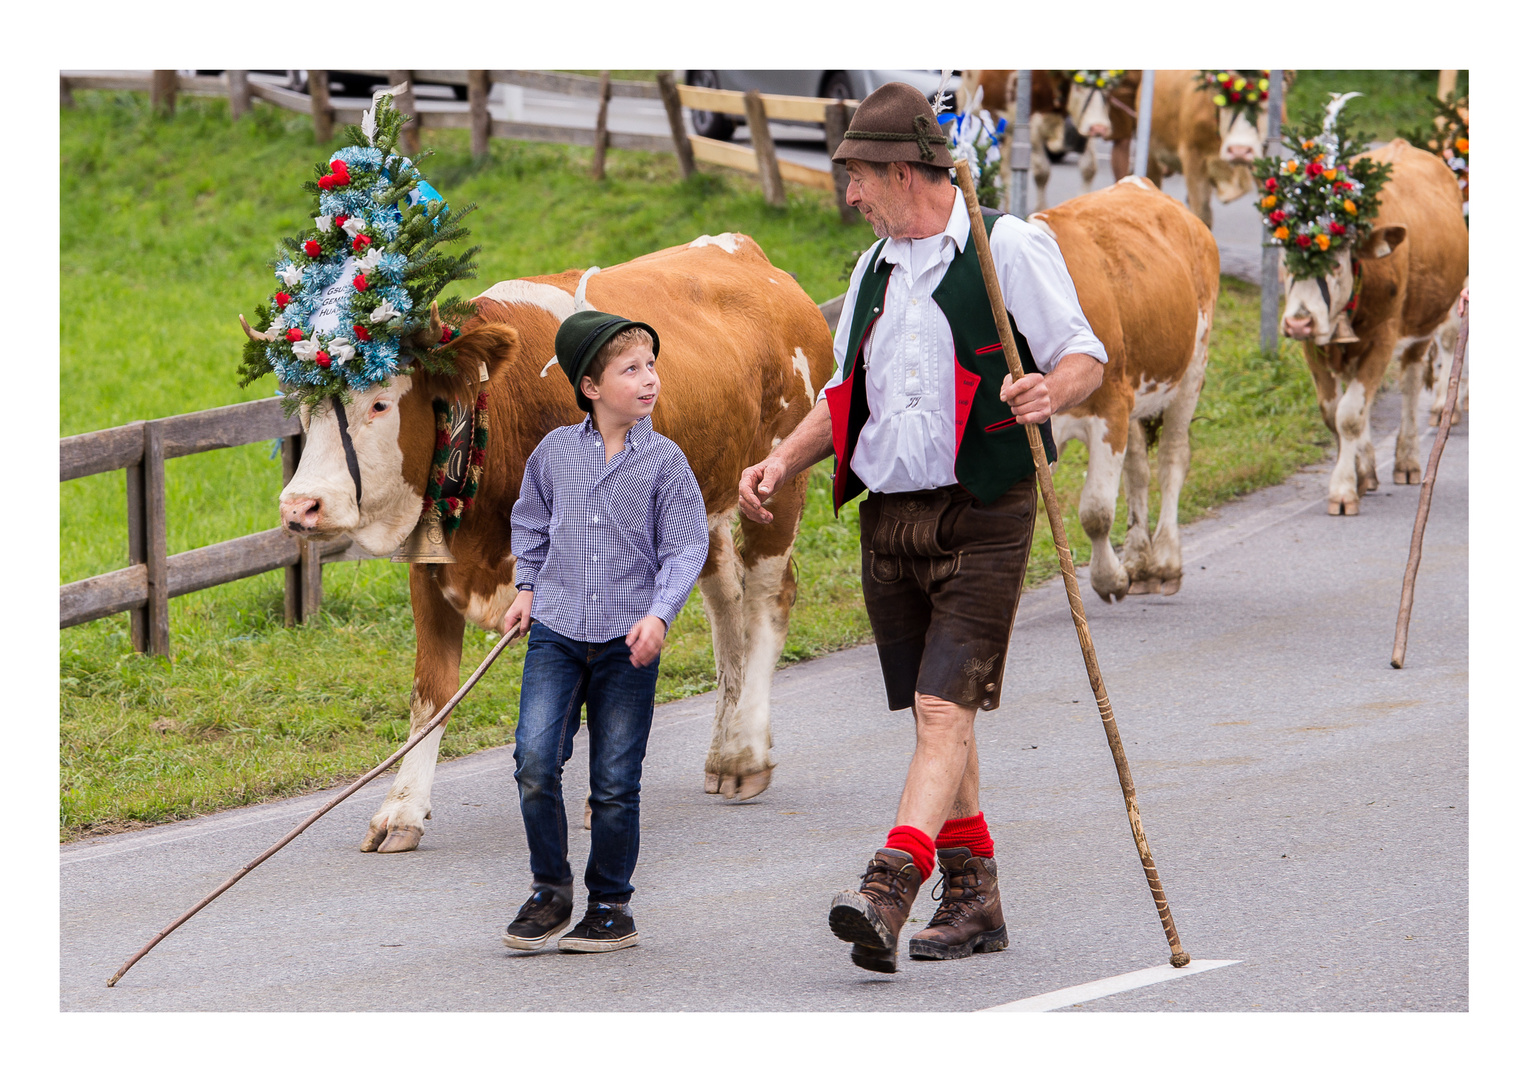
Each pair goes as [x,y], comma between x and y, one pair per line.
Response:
[297,81]
[836,85]
[459,92]
[710,125]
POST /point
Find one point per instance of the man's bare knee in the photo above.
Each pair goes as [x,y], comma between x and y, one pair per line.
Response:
[936,716]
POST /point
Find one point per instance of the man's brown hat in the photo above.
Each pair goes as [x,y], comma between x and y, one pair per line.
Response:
[895,123]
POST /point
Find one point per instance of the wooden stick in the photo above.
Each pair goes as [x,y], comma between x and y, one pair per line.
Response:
[440,718]
[1068,571]
[1445,421]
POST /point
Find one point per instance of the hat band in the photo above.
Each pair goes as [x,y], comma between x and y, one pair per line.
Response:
[922,136]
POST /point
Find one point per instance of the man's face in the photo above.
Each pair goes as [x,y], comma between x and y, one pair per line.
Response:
[883,201]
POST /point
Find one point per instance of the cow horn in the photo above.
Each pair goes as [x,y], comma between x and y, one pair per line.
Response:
[429,338]
[255,335]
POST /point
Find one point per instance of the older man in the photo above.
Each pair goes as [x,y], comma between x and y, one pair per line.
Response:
[923,413]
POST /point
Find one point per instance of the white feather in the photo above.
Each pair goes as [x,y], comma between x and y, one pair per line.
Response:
[944,83]
[369,117]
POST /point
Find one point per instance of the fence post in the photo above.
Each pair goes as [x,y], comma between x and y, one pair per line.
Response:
[477,104]
[404,103]
[162,86]
[682,149]
[601,128]
[1019,148]
[311,568]
[764,149]
[65,93]
[238,93]
[155,541]
[323,114]
[1143,120]
[137,549]
[1268,328]
[1448,81]
[835,123]
[291,456]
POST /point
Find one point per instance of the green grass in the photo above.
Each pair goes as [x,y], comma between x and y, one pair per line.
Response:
[166,228]
[1393,101]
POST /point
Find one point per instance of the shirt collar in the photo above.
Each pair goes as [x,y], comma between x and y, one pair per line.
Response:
[958,229]
[637,438]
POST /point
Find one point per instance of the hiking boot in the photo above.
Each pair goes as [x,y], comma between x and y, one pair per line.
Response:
[970,914]
[604,928]
[872,917]
[549,910]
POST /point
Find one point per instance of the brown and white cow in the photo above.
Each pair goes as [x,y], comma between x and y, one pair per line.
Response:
[1412,265]
[1440,362]
[1147,274]
[1210,146]
[1047,116]
[744,351]
[1108,115]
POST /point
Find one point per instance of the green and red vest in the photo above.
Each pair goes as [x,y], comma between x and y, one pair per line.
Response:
[991,449]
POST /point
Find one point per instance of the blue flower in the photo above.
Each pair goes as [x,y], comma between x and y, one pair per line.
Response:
[393,267]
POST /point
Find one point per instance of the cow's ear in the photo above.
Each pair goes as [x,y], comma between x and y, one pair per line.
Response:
[1382,242]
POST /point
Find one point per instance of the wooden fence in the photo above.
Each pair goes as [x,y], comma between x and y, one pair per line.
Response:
[758,109]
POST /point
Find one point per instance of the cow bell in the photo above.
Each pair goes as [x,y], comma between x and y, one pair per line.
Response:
[427,543]
[1342,330]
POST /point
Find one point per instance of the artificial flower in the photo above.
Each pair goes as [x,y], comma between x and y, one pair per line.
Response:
[359,281]
[1349,206]
[282,299]
[323,223]
[1462,145]
[384,311]
[313,248]
[305,350]
[352,225]
[1303,240]
[294,334]
[1277,216]
[1270,201]
[369,261]
[1272,183]
[321,358]
[341,350]
[1291,166]
[361,332]
[360,242]
[1323,241]
[1339,229]
[290,275]
[1281,233]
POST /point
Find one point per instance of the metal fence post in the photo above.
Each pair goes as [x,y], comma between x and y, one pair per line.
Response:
[1268,336]
[1019,149]
[1143,121]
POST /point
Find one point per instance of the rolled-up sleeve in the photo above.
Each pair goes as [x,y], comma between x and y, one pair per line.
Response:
[530,522]
[1040,294]
[681,539]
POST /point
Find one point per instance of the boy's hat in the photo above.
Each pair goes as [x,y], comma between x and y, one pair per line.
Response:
[895,123]
[579,340]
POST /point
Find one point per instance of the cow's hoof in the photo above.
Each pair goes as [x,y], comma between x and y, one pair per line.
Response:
[741,788]
[403,838]
[1145,586]
[1171,585]
[375,834]
[1338,507]
[1370,483]
[1407,476]
[713,783]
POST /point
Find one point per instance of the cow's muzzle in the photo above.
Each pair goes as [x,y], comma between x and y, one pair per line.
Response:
[302,514]
[1300,329]
[1237,155]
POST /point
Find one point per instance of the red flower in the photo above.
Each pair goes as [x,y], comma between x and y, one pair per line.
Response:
[1277,216]
[359,283]
[322,359]
[326,182]
[282,299]
[1235,95]
[339,168]
[340,219]
[1271,184]
[1338,228]
[1303,240]
[1314,169]
[294,334]
[359,242]
[313,248]
[361,332]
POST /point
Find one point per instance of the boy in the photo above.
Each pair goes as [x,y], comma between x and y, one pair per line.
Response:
[609,536]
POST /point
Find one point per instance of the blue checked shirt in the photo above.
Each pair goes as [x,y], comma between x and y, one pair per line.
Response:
[607,544]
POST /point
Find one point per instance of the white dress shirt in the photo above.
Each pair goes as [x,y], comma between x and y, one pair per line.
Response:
[908,443]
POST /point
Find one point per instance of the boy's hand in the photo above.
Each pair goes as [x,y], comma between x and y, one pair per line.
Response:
[646,640]
[517,620]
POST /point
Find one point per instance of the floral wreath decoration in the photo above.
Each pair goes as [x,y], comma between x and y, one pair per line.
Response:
[1449,139]
[974,136]
[1241,92]
[356,294]
[1100,80]
[1324,197]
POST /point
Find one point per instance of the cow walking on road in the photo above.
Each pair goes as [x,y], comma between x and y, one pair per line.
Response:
[745,351]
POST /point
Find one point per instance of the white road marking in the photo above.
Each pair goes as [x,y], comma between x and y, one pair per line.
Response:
[1076,995]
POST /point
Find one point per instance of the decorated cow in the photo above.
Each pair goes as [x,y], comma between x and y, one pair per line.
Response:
[419,415]
[1374,254]
[1047,115]
[1147,274]
[1209,126]
[1101,105]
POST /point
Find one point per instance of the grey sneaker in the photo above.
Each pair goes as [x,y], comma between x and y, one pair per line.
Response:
[604,928]
[547,912]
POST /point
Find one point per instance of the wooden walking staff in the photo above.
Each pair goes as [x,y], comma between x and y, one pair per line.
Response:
[440,718]
[1424,503]
[1068,571]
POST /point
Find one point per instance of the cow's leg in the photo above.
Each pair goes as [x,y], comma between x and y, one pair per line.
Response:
[1137,555]
[1100,491]
[1087,165]
[1408,463]
[1172,464]
[721,592]
[769,591]
[1119,159]
[399,823]
[1197,177]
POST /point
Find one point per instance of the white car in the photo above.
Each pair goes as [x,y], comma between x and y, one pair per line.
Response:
[853,85]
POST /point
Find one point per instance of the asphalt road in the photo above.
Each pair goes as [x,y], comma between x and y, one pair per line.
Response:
[1306,804]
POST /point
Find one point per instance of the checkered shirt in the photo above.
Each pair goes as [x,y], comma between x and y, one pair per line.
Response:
[606,544]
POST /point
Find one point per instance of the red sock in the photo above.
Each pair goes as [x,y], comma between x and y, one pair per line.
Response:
[967,832]
[917,844]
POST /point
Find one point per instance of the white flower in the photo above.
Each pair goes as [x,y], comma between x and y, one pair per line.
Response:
[323,222]
[278,324]
[341,350]
[384,311]
[353,226]
[306,350]
[290,275]
[369,261]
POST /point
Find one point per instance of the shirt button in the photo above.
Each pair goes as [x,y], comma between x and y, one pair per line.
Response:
[594,596]
[596,519]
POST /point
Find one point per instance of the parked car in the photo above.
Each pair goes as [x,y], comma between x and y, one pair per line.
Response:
[853,85]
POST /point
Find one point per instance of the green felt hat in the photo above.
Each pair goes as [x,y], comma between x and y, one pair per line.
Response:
[579,340]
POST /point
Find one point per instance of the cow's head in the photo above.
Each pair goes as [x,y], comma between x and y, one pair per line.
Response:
[1311,305]
[1088,107]
[391,429]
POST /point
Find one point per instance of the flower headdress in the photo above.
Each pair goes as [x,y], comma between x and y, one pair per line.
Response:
[1244,92]
[1102,80]
[356,294]
[973,135]
[1322,198]
[1449,138]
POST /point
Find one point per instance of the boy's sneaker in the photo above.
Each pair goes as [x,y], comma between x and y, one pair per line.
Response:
[604,928]
[547,912]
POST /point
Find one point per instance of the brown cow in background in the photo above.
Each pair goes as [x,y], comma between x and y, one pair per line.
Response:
[1047,116]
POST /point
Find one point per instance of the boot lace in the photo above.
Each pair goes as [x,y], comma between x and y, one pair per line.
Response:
[956,893]
[883,883]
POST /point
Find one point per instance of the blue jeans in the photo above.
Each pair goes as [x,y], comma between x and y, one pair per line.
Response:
[560,676]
